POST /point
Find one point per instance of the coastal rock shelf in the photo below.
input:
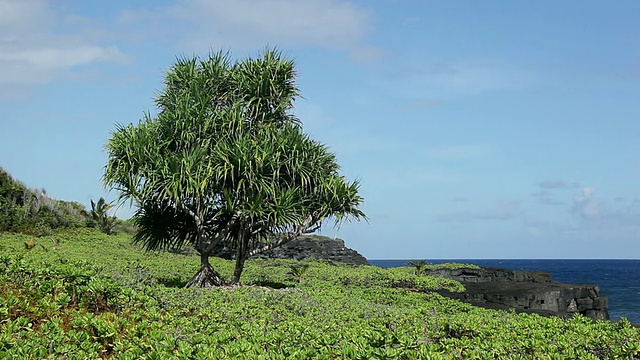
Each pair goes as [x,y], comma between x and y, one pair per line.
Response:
[311,247]
[525,291]
[316,247]
[494,288]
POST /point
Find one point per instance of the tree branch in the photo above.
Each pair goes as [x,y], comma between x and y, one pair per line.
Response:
[220,235]
[191,213]
[307,227]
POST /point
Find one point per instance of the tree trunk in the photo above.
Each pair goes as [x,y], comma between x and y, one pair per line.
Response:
[206,277]
[238,271]
[241,256]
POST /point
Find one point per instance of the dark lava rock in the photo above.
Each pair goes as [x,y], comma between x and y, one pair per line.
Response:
[310,247]
[525,291]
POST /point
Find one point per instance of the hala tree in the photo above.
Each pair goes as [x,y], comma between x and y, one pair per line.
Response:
[225,161]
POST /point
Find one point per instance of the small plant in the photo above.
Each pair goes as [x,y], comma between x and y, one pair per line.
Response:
[100,216]
[298,271]
[420,267]
[30,244]
[55,242]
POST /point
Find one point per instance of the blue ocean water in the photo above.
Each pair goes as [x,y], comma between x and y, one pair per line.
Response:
[618,279]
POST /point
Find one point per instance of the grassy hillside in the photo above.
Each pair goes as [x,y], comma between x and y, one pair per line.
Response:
[83,294]
[32,211]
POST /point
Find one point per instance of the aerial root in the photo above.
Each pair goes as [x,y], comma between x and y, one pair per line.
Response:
[206,277]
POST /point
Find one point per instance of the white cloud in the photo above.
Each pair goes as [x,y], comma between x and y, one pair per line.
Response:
[205,24]
[34,47]
[41,41]
[590,217]
[595,215]
[587,205]
[438,78]
[52,58]
[23,15]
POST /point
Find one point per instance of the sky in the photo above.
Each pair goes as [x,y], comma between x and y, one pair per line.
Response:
[478,129]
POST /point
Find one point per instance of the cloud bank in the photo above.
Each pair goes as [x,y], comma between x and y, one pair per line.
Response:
[204,24]
[38,44]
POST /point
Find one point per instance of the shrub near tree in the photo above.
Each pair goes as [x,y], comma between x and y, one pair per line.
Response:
[226,161]
[100,216]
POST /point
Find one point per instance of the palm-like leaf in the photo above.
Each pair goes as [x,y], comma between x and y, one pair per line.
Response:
[99,214]
[420,267]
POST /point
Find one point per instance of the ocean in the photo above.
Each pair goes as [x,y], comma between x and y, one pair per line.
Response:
[619,280]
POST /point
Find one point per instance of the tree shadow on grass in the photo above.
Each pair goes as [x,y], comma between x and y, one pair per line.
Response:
[172,282]
[272,284]
[177,282]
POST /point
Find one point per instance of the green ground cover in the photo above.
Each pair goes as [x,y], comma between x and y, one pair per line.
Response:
[81,294]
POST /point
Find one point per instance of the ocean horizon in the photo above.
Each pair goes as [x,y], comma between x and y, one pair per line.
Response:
[618,279]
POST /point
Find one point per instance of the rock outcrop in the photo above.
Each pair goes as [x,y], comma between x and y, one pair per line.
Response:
[315,247]
[525,291]
[310,247]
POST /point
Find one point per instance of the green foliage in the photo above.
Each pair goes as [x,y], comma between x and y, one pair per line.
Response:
[421,267]
[32,211]
[452,266]
[124,226]
[84,301]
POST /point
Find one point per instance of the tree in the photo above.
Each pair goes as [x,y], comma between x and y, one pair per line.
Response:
[225,161]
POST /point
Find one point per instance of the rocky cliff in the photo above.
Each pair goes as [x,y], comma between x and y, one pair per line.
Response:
[311,247]
[525,291]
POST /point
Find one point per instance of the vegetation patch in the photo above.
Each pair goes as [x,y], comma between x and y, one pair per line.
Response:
[98,296]
[31,211]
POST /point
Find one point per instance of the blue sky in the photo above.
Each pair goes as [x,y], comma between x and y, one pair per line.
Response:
[479,129]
